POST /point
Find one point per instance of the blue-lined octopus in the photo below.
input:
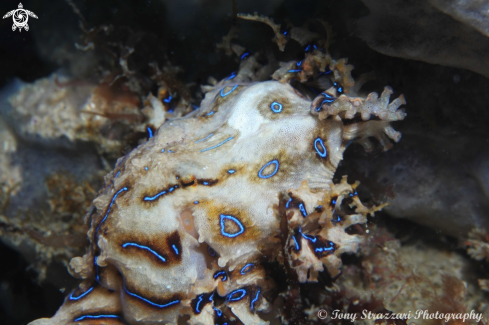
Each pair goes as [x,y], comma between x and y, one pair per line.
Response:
[184,225]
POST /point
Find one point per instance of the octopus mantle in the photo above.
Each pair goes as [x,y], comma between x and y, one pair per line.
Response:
[185,220]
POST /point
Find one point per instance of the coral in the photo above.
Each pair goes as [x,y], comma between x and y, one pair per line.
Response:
[478,244]
[187,222]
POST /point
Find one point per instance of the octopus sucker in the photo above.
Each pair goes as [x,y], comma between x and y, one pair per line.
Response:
[188,222]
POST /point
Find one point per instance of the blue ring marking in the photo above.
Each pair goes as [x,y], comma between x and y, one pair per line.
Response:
[323,153]
[239,291]
[296,70]
[303,210]
[288,203]
[207,137]
[275,161]
[308,48]
[168,99]
[118,173]
[217,145]
[276,110]
[196,202]
[152,198]
[286,33]
[80,296]
[296,244]
[311,238]
[175,249]
[211,251]
[162,150]
[146,168]
[205,183]
[218,311]
[174,302]
[171,151]
[221,273]
[353,194]
[198,303]
[254,299]
[247,268]
[233,74]
[299,63]
[110,206]
[245,55]
[225,94]
[231,171]
[150,132]
[210,113]
[146,248]
[94,317]
[235,220]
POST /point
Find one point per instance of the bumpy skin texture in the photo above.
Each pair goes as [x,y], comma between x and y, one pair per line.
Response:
[190,215]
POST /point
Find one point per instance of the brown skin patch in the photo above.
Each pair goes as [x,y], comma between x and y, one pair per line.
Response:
[264,106]
[287,164]
[214,210]
[161,244]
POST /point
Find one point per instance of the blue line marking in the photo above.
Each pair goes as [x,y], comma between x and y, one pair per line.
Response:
[303,210]
[150,302]
[288,203]
[276,109]
[205,183]
[94,317]
[247,268]
[168,99]
[231,171]
[275,161]
[233,74]
[308,48]
[198,303]
[254,299]
[171,151]
[299,63]
[218,311]
[207,137]
[80,296]
[97,276]
[217,145]
[209,114]
[146,248]
[118,173]
[296,244]
[175,249]
[239,291]
[323,249]
[150,132]
[322,149]
[245,55]
[296,70]
[311,238]
[221,273]
[225,94]
[152,198]
[235,220]
[196,202]
[211,251]
[110,206]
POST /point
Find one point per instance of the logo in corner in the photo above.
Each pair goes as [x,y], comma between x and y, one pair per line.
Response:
[20,17]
